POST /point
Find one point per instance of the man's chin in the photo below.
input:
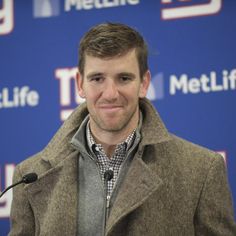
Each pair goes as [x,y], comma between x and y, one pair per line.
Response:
[114,127]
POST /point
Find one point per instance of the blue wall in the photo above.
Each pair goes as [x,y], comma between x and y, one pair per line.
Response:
[192,60]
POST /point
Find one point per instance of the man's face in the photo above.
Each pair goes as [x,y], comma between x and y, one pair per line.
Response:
[112,88]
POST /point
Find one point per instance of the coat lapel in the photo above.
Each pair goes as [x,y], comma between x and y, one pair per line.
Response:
[54,198]
[140,181]
[139,184]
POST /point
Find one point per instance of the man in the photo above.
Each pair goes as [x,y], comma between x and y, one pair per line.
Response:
[113,168]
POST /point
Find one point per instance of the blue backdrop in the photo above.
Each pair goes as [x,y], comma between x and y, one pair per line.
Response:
[192,60]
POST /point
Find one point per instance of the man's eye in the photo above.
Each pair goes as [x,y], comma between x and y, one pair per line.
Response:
[96,79]
[125,78]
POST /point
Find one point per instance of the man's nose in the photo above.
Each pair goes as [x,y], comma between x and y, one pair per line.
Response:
[110,90]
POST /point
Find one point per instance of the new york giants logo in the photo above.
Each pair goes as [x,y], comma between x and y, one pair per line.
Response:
[46,8]
[6,17]
[176,9]
[5,201]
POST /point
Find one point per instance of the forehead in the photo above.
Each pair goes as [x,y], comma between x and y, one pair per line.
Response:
[120,63]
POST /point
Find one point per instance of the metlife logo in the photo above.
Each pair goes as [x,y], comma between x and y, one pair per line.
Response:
[50,8]
[185,84]
[18,97]
[205,83]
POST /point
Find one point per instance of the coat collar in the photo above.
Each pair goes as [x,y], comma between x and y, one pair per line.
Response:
[59,147]
[153,131]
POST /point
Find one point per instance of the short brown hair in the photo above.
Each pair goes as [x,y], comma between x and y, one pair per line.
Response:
[110,40]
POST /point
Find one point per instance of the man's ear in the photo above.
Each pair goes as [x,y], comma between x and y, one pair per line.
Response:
[145,84]
[79,84]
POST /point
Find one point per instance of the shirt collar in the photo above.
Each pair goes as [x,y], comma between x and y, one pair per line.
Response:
[92,144]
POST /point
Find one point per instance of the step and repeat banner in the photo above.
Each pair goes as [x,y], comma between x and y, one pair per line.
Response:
[192,60]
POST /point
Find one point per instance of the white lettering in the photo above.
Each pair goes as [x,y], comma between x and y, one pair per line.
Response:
[65,76]
[69,3]
[5,98]
[214,86]
[19,97]
[133,2]
[225,80]
[33,98]
[204,83]
[68,90]
[194,86]
[176,84]
[107,3]
[6,17]
[87,4]
[98,4]
[232,79]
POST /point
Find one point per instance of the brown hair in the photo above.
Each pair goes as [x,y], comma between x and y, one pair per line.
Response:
[110,40]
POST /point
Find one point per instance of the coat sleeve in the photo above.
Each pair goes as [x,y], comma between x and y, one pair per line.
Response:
[214,215]
[22,217]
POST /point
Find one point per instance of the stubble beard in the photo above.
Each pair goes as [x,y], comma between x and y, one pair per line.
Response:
[119,126]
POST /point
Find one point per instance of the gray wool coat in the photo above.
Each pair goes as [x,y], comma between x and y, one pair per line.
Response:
[173,187]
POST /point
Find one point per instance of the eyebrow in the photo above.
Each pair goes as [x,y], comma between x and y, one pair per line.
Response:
[127,74]
[95,74]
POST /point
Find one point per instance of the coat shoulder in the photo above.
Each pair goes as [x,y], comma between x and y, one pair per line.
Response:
[194,151]
[193,156]
[34,163]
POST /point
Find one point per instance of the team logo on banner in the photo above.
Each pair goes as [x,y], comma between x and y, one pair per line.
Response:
[6,17]
[156,88]
[189,8]
[46,8]
[5,201]
[69,98]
